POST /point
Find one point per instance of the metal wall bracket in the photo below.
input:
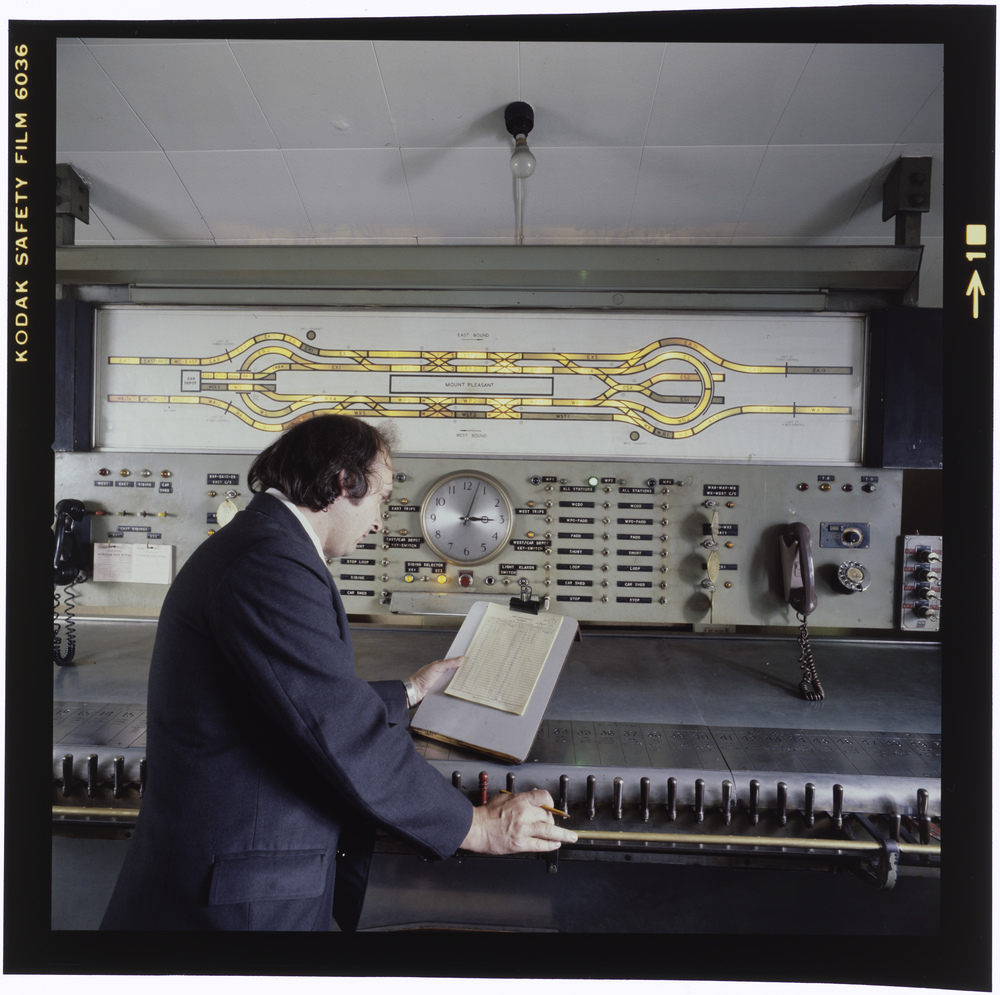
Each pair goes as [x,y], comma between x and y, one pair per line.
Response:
[72,203]
[906,194]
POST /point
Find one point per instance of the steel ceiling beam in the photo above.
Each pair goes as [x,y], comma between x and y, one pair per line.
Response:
[586,271]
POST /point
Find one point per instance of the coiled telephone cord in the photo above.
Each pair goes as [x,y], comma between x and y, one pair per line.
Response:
[60,658]
[810,686]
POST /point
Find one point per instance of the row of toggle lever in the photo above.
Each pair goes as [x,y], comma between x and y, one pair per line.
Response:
[118,784]
[728,805]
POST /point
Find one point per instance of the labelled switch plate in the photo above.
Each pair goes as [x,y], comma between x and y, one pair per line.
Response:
[845,535]
[921,559]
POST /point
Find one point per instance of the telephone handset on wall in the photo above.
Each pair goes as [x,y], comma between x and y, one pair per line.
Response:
[72,562]
[797,568]
[799,578]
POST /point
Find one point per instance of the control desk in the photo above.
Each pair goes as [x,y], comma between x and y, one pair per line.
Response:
[757,683]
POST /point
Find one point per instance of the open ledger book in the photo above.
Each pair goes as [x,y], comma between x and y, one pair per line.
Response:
[496,700]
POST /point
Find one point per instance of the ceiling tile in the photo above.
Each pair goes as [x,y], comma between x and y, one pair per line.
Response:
[809,191]
[448,93]
[460,193]
[589,93]
[579,193]
[137,196]
[928,123]
[352,193]
[723,94]
[91,115]
[700,191]
[190,95]
[243,194]
[318,94]
[860,94]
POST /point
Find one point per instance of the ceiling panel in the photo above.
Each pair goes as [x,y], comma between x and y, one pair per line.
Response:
[92,114]
[579,92]
[694,192]
[138,197]
[190,95]
[356,193]
[580,194]
[455,192]
[724,94]
[860,94]
[240,193]
[807,191]
[449,94]
[375,141]
[318,95]
[927,124]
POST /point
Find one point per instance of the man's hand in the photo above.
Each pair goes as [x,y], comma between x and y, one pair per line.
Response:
[429,677]
[516,823]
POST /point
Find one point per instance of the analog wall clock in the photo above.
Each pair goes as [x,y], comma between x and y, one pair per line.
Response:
[466,517]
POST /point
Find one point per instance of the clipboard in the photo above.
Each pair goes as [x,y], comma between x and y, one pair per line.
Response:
[479,727]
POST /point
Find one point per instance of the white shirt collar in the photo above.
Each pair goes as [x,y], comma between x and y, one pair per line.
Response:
[294,509]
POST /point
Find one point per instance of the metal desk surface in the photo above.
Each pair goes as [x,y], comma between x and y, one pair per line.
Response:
[665,678]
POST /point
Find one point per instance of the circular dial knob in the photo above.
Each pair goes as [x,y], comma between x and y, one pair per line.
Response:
[466,517]
[853,576]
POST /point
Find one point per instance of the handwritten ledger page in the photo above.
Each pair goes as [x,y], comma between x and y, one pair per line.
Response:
[504,659]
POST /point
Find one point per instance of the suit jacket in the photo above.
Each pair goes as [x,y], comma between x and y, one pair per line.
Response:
[264,749]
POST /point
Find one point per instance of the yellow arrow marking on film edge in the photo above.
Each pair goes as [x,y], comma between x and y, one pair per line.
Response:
[975,289]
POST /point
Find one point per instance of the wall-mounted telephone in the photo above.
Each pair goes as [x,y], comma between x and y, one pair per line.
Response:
[797,568]
[799,577]
[72,562]
[73,557]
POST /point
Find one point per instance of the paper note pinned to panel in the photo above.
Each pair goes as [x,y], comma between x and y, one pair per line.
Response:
[504,660]
[133,563]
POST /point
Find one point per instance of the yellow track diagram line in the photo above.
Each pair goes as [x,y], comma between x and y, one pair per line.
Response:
[629,384]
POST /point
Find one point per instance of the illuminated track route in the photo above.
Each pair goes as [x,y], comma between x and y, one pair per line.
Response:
[670,388]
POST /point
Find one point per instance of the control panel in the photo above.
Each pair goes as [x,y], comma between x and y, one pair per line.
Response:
[920,586]
[610,543]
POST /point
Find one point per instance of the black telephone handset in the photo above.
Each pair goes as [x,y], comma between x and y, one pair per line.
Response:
[797,567]
[71,561]
[800,592]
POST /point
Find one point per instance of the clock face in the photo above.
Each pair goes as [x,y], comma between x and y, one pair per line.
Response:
[466,517]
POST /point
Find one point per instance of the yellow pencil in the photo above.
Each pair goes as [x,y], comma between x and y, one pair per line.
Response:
[548,808]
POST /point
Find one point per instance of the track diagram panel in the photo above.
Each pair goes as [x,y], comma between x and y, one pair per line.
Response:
[746,387]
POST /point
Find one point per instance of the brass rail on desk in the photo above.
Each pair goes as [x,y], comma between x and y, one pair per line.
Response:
[917,849]
[920,849]
[75,811]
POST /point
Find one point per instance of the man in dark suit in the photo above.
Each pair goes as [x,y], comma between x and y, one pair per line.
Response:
[271,763]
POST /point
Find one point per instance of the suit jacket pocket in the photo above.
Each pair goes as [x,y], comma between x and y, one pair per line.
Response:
[267,875]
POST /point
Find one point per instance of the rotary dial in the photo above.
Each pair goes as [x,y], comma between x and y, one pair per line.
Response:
[466,517]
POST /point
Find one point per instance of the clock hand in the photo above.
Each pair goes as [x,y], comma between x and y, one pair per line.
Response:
[465,518]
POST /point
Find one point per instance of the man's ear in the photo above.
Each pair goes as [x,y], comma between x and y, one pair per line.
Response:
[347,482]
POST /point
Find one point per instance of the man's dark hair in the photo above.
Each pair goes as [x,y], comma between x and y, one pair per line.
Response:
[306,461]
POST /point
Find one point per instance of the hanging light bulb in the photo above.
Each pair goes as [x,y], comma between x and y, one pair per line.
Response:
[522,161]
[520,119]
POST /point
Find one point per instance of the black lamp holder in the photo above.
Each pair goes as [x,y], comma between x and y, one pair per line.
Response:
[519,117]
